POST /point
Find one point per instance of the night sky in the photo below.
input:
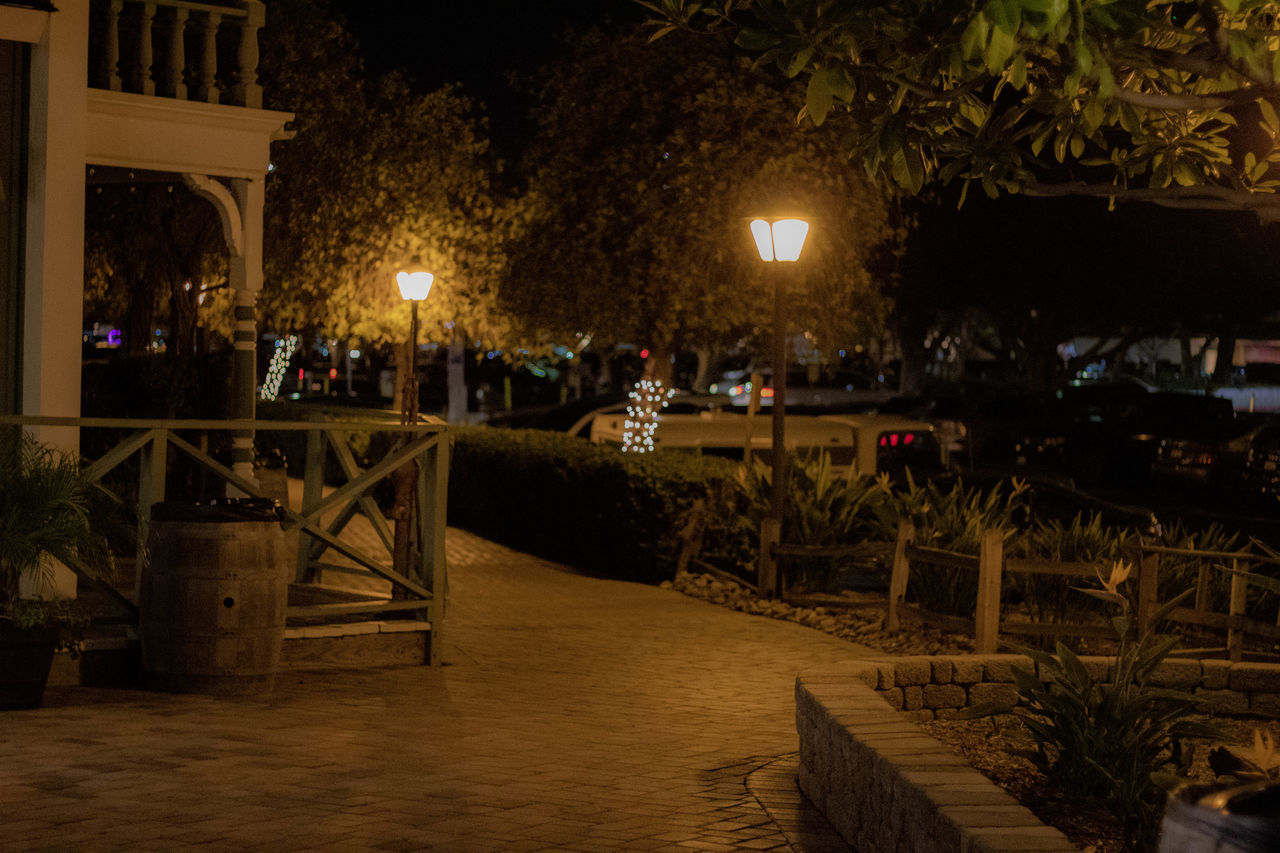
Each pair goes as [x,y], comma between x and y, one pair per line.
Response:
[479,44]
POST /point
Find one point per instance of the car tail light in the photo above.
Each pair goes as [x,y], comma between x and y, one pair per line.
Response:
[893,439]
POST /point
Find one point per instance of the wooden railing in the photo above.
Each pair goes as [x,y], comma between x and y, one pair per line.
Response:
[992,564]
[324,513]
[177,49]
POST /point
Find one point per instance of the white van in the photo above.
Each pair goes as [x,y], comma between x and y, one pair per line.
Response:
[857,444]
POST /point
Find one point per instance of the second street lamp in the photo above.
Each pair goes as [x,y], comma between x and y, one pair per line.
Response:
[415,283]
[777,240]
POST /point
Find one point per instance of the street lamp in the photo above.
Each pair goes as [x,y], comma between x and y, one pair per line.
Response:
[415,283]
[777,240]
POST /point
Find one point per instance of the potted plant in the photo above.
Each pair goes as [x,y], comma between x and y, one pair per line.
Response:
[45,519]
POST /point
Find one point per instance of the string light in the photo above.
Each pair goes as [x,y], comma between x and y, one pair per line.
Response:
[279,364]
[648,399]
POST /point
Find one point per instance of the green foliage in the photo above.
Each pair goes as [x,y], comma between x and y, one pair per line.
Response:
[647,162]
[951,519]
[1048,598]
[822,508]
[1140,99]
[46,513]
[1259,764]
[1180,573]
[67,618]
[1114,738]
[616,514]
[375,175]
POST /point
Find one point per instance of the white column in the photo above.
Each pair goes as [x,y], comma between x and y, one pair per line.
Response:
[53,284]
[54,279]
[246,280]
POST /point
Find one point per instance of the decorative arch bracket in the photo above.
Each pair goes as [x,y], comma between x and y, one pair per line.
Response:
[222,198]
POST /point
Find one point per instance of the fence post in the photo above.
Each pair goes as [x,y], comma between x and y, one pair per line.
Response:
[767,563]
[1235,631]
[900,573]
[986,618]
[151,485]
[1148,588]
[312,492]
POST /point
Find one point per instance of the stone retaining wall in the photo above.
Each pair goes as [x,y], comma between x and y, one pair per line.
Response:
[886,785]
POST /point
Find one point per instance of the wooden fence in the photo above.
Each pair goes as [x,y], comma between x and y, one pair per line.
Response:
[992,564]
[322,517]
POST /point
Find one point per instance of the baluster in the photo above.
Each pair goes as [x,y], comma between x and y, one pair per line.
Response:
[113,45]
[247,92]
[176,85]
[146,81]
[207,90]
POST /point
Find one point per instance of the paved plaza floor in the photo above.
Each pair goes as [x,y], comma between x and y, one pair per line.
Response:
[571,713]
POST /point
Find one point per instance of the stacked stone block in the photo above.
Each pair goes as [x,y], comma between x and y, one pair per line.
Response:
[885,785]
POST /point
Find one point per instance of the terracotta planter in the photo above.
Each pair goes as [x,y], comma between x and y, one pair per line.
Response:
[25,659]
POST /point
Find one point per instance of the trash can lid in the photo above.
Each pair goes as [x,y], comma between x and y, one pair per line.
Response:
[220,510]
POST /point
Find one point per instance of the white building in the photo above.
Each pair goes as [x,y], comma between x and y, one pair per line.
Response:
[157,85]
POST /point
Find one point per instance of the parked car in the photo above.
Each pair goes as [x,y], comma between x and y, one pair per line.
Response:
[977,430]
[1110,436]
[835,390]
[1241,462]
[1261,476]
[856,443]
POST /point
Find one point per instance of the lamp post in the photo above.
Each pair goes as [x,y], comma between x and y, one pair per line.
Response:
[415,283]
[778,241]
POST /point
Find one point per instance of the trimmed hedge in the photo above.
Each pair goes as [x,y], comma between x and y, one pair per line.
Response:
[587,505]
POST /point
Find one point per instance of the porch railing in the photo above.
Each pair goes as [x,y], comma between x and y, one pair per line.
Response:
[177,49]
[322,521]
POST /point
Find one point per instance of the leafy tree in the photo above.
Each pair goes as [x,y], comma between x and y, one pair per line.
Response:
[155,256]
[645,168]
[1169,102]
[375,175]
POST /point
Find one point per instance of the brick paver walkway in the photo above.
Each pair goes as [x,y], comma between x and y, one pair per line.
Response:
[571,714]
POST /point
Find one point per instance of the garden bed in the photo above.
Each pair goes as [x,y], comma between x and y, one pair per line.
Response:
[992,748]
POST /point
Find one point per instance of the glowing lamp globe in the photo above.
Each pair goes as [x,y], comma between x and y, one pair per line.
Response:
[779,239]
[415,282]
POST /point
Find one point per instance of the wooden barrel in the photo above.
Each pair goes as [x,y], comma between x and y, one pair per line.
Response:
[212,600]
[1243,819]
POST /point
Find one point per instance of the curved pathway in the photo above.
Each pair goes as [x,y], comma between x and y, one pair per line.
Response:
[571,713]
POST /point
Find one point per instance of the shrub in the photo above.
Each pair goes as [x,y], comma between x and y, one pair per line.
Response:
[821,509]
[952,519]
[1115,740]
[590,506]
[1049,598]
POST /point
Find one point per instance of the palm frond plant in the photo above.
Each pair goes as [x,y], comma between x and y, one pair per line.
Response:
[46,518]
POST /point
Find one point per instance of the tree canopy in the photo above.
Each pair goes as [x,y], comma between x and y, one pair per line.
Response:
[648,162]
[1168,102]
[375,175]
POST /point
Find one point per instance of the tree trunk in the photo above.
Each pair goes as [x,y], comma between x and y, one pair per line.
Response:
[912,369]
[1223,369]
[702,379]
[658,366]
[456,380]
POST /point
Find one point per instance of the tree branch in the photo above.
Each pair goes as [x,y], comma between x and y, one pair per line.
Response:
[1156,101]
[1217,37]
[1206,197]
